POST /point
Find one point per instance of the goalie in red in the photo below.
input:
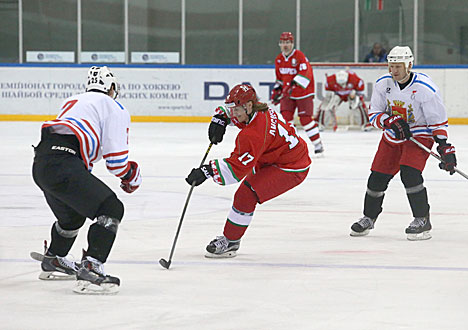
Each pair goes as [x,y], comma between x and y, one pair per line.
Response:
[295,88]
[343,86]
[269,157]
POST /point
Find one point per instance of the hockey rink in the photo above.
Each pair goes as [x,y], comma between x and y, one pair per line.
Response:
[297,267]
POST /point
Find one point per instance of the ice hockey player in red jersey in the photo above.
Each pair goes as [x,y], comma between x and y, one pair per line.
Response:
[344,86]
[91,126]
[405,104]
[269,159]
[295,88]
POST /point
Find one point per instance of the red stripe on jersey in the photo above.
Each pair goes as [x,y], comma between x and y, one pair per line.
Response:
[115,154]
[124,171]
[97,139]
[73,129]
[439,132]
[116,167]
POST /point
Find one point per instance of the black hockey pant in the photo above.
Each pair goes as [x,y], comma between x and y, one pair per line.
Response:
[73,194]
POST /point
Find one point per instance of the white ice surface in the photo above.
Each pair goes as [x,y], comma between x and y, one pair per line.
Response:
[297,268]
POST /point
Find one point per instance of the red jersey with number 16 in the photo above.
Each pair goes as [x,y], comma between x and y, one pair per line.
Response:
[295,67]
[265,141]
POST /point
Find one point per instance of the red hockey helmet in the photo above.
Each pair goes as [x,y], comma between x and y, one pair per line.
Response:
[240,95]
[285,36]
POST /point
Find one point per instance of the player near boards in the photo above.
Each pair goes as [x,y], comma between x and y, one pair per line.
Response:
[344,86]
[295,88]
[269,159]
[405,104]
[91,126]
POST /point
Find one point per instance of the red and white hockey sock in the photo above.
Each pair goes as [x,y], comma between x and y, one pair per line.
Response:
[241,213]
[311,128]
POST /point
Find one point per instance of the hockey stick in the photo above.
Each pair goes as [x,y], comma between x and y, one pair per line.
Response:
[433,154]
[167,263]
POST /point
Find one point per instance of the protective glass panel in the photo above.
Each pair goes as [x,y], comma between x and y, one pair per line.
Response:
[212,35]
[264,21]
[154,26]
[443,32]
[383,28]
[49,25]
[9,31]
[327,30]
[102,25]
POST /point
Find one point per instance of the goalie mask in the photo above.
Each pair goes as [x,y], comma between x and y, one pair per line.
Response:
[239,96]
[101,79]
[401,54]
[342,78]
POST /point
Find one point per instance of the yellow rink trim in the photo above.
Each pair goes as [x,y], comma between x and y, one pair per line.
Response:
[147,119]
[164,119]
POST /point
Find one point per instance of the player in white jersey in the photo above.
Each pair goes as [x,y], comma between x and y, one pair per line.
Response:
[405,104]
[90,126]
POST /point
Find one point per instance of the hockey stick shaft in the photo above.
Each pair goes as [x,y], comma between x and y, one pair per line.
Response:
[433,154]
[185,209]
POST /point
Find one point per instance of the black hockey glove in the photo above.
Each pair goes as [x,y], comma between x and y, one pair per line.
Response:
[217,128]
[198,175]
[447,153]
[399,126]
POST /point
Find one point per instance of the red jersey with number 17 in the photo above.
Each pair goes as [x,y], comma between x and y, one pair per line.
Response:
[265,141]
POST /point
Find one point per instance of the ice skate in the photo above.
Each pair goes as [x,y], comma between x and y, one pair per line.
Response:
[318,149]
[419,229]
[221,247]
[91,279]
[58,268]
[362,226]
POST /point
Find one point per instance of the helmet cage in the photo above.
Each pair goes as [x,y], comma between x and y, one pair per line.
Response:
[102,79]
[342,78]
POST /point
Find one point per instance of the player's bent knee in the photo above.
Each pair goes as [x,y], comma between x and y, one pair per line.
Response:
[111,207]
[288,115]
[410,176]
[245,198]
[305,119]
[378,181]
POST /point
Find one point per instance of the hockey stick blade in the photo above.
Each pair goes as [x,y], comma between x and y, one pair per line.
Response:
[164,263]
[37,256]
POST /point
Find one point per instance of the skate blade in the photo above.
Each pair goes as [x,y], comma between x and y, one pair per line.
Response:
[56,276]
[86,287]
[419,237]
[319,155]
[229,254]
[356,234]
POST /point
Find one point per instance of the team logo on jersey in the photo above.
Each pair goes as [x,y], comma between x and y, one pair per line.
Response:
[398,108]
[293,62]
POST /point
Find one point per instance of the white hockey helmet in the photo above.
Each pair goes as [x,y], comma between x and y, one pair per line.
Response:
[401,54]
[101,79]
[342,78]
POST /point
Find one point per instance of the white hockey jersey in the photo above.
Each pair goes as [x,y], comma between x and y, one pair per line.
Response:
[101,125]
[419,103]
